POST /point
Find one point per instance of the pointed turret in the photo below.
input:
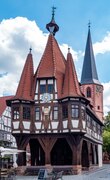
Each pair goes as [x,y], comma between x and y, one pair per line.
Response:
[24,90]
[89,72]
[71,84]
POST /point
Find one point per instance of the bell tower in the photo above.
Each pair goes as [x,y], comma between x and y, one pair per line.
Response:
[90,85]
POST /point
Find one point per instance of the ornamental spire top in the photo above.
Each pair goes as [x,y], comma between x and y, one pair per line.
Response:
[52,27]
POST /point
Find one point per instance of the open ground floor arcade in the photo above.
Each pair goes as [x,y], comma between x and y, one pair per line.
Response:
[73,151]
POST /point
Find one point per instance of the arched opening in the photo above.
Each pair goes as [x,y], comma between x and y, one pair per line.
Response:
[84,155]
[61,153]
[91,155]
[88,92]
[96,154]
[37,153]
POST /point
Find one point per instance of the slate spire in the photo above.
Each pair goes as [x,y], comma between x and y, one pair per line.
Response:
[89,71]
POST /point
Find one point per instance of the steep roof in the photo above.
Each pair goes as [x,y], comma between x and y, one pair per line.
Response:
[3,103]
[52,60]
[71,84]
[89,71]
[24,90]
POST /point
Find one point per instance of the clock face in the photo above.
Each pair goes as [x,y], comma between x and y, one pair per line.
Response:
[99,88]
[46,97]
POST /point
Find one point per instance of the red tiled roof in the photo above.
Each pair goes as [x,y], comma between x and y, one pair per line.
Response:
[3,103]
[71,85]
[24,90]
[52,63]
[52,60]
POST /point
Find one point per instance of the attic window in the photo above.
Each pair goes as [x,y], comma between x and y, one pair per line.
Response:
[88,92]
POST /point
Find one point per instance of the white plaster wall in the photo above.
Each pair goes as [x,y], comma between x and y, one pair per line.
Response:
[16,125]
[100,154]
[54,125]
[65,124]
[75,123]
[26,125]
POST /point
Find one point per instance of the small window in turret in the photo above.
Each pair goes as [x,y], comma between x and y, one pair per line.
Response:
[65,111]
[74,111]
[88,92]
[15,113]
[55,113]
[26,113]
[37,113]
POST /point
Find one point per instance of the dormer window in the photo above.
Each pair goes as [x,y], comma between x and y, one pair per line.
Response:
[46,86]
[42,88]
[88,92]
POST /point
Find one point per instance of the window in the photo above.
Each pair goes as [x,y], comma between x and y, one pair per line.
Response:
[65,111]
[55,113]
[88,92]
[83,112]
[74,111]
[37,113]
[50,88]
[42,88]
[16,113]
[98,107]
[26,113]
[88,121]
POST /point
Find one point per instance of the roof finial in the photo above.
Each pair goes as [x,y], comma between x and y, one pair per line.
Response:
[52,27]
[68,49]
[30,49]
[89,24]
[53,12]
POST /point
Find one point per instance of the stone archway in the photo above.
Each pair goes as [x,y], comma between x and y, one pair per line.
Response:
[84,155]
[37,153]
[61,153]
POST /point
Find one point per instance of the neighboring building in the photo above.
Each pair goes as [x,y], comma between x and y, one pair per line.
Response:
[6,138]
[50,114]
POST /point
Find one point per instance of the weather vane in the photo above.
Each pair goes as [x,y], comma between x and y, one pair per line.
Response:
[89,24]
[30,49]
[53,12]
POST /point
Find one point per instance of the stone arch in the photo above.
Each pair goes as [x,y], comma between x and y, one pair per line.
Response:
[84,155]
[92,155]
[61,153]
[37,153]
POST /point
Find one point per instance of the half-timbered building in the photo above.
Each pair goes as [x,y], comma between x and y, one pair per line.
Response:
[53,114]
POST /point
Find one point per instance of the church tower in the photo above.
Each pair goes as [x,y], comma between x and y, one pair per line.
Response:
[90,85]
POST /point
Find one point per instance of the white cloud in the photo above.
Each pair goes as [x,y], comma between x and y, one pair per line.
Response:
[17,35]
[102,46]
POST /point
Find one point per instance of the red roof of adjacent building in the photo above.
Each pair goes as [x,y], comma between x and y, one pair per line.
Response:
[71,85]
[3,103]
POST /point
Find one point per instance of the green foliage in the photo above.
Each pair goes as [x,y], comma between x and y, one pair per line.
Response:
[106,141]
[106,134]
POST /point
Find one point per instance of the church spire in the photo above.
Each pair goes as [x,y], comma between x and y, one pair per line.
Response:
[89,71]
[52,27]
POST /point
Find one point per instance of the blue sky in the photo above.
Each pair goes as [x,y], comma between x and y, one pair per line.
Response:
[72,16]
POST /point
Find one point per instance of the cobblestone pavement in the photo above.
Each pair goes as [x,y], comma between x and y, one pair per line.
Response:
[102,173]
